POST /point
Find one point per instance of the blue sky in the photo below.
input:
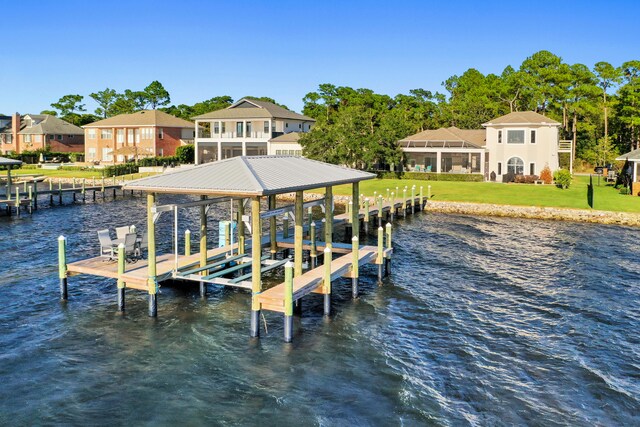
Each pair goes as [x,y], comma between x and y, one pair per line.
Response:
[284,49]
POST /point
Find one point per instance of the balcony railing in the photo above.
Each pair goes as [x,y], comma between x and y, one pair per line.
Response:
[236,135]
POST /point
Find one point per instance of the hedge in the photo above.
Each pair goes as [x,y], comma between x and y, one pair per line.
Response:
[430,176]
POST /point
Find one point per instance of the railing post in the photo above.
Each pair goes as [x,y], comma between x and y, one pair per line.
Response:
[62,267]
[380,257]
[121,284]
[288,301]
[355,266]
[187,242]
[326,285]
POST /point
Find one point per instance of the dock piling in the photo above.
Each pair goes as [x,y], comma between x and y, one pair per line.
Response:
[354,267]
[62,267]
[152,281]
[256,252]
[404,202]
[187,242]
[380,210]
[288,301]
[413,200]
[203,246]
[313,252]
[121,262]
[327,281]
[387,260]
[366,216]
[380,258]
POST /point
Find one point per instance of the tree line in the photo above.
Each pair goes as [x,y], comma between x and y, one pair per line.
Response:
[598,108]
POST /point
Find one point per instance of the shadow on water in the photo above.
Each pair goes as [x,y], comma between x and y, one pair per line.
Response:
[483,321]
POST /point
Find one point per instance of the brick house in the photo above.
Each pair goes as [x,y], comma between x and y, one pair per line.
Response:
[38,132]
[142,134]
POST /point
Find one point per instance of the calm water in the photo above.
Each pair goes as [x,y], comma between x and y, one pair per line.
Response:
[483,322]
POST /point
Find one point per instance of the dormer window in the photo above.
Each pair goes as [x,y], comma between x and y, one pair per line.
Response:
[28,122]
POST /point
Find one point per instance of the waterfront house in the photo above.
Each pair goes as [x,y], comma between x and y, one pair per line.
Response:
[634,160]
[522,143]
[245,128]
[142,134]
[286,145]
[39,132]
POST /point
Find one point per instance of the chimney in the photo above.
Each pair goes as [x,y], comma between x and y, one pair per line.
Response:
[15,128]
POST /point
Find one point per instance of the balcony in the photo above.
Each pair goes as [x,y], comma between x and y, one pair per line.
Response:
[205,134]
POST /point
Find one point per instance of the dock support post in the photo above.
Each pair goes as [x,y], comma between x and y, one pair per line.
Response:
[366,216]
[380,210]
[187,242]
[421,198]
[326,283]
[203,246]
[428,192]
[404,202]
[285,233]
[380,258]
[355,267]
[60,192]
[328,213]
[387,260]
[256,284]
[84,190]
[121,261]
[288,302]
[298,237]
[413,200]
[241,246]
[313,252]
[151,251]
[272,228]
[355,209]
[227,233]
[35,195]
[62,267]
[18,200]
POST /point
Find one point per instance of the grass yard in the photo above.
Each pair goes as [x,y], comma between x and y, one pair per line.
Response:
[606,197]
[97,173]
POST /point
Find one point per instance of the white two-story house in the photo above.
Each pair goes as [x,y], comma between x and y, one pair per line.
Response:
[522,143]
[244,129]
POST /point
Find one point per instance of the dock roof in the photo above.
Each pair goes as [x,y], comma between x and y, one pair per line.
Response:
[631,155]
[251,176]
[9,162]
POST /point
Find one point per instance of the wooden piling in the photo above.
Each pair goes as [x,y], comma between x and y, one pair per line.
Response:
[256,285]
[380,258]
[413,200]
[152,282]
[313,252]
[328,209]
[298,235]
[354,266]
[326,283]
[404,202]
[355,209]
[366,216]
[241,245]
[387,260]
[203,246]
[288,301]
[187,242]
[121,284]
[272,228]
[380,210]
[62,267]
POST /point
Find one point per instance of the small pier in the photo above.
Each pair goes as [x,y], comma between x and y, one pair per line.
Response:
[250,185]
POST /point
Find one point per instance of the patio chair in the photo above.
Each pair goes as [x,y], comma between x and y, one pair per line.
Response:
[142,243]
[106,245]
[121,232]
[130,246]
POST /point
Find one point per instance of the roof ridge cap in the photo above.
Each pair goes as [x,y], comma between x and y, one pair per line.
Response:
[253,174]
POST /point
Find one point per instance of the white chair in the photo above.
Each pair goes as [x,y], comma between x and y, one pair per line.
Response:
[121,232]
[106,245]
[142,243]
[130,246]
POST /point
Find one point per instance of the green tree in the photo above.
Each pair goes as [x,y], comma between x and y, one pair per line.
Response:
[69,107]
[154,96]
[608,76]
[105,99]
[628,106]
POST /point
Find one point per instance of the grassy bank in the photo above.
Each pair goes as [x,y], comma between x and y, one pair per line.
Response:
[606,197]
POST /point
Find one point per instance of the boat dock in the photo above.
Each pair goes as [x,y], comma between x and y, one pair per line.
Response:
[241,263]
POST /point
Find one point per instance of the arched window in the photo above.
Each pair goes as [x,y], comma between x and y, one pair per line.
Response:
[515,165]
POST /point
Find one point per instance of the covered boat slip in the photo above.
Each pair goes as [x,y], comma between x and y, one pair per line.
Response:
[245,182]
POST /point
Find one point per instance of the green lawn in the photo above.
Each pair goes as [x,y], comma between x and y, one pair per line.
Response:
[605,196]
[97,173]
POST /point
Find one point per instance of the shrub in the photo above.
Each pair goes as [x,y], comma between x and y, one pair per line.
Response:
[431,176]
[121,169]
[509,177]
[625,191]
[562,178]
[545,175]
[526,179]
[186,154]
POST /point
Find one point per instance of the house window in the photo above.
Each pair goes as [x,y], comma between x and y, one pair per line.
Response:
[146,133]
[130,135]
[216,127]
[499,168]
[249,129]
[223,127]
[59,137]
[136,133]
[106,154]
[266,127]
[53,136]
[515,137]
[38,138]
[300,126]
[499,138]
[286,125]
[161,133]
[106,134]
[120,136]
[515,165]
[160,152]
[239,130]
[532,168]
[533,138]
[27,139]
[91,153]
[91,134]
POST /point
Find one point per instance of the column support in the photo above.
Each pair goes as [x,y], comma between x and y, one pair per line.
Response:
[241,245]
[298,235]
[328,215]
[355,209]
[272,228]
[151,250]
[256,285]
[203,246]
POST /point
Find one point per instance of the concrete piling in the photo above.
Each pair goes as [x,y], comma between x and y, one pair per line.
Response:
[62,267]
[288,301]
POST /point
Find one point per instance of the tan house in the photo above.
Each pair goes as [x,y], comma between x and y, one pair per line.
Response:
[522,143]
[286,145]
[245,129]
[39,132]
[145,133]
